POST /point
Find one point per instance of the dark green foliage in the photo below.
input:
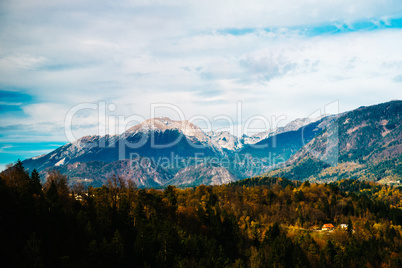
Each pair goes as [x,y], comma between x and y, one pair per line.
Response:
[250,223]
[264,181]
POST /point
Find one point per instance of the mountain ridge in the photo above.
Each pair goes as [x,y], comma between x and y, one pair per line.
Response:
[369,147]
[85,158]
[194,156]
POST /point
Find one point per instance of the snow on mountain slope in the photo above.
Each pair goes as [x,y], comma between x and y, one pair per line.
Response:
[188,129]
[232,143]
[164,123]
[291,126]
[225,140]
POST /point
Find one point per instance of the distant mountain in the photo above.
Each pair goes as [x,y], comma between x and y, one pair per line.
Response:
[291,126]
[365,143]
[162,151]
[92,159]
[159,137]
[229,142]
[284,144]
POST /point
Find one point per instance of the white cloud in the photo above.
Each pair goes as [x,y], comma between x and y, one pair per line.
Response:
[21,62]
[135,53]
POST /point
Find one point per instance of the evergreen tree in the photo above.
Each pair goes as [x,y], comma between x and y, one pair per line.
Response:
[35,182]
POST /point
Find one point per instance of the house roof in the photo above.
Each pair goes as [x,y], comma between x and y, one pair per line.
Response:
[328,225]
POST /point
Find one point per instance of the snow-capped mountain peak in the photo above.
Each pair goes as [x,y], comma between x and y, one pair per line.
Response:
[226,140]
[188,129]
[164,123]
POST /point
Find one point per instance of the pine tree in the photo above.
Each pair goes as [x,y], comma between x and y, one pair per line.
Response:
[36,186]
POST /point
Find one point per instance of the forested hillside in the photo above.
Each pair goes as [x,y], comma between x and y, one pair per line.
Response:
[256,222]
[366,144]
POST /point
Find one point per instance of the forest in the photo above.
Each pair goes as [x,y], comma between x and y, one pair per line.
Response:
[256,222]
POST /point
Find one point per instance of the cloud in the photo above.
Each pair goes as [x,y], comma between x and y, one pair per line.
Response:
[5,147]
[18,62]
[398,78]
[281,57]
[246,14]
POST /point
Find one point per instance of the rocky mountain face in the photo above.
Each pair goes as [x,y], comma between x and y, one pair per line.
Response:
[156,138]
[365,143]
[203,174]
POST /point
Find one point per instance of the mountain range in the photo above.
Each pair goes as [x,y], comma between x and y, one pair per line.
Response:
[366,144]
[363,143]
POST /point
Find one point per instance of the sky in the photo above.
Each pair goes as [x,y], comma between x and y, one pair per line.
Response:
[96,67]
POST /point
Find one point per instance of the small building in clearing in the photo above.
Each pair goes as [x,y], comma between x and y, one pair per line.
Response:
[327,227]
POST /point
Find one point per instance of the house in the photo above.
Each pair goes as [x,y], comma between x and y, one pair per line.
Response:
[344,226]
[327,227]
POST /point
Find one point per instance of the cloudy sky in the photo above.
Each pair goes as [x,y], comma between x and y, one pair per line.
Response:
[205,59]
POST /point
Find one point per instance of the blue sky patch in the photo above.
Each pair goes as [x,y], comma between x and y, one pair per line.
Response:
[330,28]
[5,108]
[10,153]
[237,31]
[14,97]
[12,101]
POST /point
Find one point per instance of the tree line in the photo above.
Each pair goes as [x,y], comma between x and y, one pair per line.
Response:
[257,222]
